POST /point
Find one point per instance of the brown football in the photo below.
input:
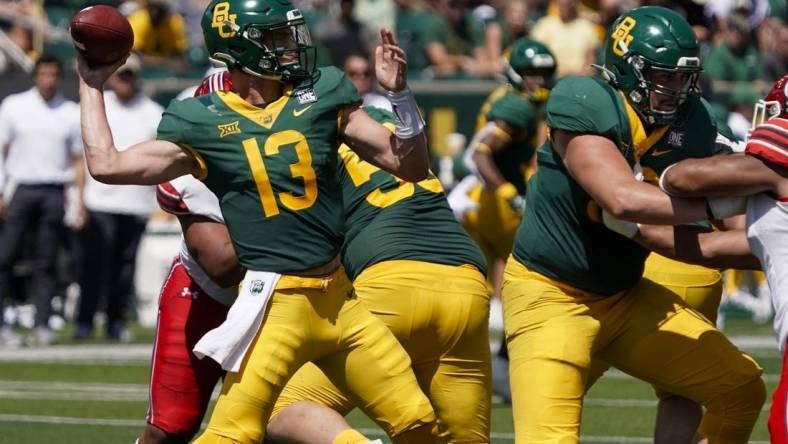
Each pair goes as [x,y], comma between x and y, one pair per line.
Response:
[101,34]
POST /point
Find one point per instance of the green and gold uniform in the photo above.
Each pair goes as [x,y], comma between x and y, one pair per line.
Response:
[415,269]
[274,172]
[574,291]
[282,160]
[494,223]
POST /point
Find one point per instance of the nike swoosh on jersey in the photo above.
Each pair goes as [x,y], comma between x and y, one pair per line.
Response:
[657,152]
[297,112]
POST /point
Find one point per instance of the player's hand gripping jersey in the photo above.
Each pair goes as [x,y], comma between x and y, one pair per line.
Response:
[561,235]
[271,205]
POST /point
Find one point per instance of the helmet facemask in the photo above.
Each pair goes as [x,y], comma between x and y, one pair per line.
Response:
[660,91]
[285,50]
[765,110]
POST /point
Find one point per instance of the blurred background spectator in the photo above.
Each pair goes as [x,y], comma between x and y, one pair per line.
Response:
[428,40]
[742,100]
[341,34]
[735,56]
[572,38]
[42,145]
[360,71]
[773,39]
[117,214]
[159,34]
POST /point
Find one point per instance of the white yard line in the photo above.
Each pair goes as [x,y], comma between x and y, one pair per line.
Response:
[138,353]
[79,353]
[75,391]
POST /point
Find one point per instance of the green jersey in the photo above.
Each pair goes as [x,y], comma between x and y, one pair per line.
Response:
[389,219]
[561,235]
[273,169]
[508,105]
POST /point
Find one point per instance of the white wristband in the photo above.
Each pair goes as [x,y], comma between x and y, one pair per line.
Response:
[725,207]
[623,227]
[408,118]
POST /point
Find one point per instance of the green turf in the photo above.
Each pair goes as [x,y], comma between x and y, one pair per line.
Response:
[119,374]
[66,434]
[34,415]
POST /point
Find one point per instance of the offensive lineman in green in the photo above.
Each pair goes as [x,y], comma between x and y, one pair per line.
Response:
[573,289]
[269,154]
[414,268]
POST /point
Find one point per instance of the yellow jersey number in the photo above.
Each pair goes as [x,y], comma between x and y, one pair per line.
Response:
[302,168]
[360,173]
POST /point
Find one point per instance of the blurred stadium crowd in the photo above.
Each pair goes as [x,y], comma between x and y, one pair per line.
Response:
[451,45]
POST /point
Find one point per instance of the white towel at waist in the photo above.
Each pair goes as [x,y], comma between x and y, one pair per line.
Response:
[227,344]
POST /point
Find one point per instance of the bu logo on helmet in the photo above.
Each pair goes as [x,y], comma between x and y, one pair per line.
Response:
[222,18]
[621,37]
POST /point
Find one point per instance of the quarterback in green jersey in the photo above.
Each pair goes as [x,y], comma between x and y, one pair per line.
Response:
[268,151]
[414,268]
[573,289]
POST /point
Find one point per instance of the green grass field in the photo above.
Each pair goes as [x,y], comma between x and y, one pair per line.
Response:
[100,400]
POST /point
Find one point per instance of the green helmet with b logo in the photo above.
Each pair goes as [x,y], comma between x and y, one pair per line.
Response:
[528,58]
[264,38]
[653,50]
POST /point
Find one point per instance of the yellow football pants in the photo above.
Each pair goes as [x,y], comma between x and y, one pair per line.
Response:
[319,320]
[439,313]
[554,331]
[699,287]
[493,225]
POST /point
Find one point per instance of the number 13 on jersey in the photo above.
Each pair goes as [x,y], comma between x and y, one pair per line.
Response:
[301,169]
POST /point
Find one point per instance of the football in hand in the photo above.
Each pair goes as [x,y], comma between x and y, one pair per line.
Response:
[101,34]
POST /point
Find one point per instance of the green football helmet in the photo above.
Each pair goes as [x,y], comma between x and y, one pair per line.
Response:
[530,67]
[264,38]
[653,50]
